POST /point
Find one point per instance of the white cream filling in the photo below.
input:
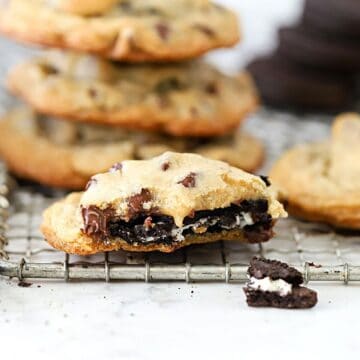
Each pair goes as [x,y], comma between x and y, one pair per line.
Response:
[240,221]
[279,286]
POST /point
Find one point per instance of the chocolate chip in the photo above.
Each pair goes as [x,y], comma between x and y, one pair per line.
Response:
[163,102]
[91,182]
[49,69]
[205,29]
[211,88]
[116,167]
[165,166]
[168,84]
[266,180]
[96,220]
[125,5]
[92,93]
[194,111]
[163,30]
[189,181]
[136,202]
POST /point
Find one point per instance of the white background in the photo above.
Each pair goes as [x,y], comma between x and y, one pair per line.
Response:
[180,321]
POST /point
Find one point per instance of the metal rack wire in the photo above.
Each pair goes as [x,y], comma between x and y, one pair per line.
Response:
[316,250]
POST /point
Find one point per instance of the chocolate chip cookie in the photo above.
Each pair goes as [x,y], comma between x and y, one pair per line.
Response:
[65,154]
[165,203]
[136,30]
[189,99]
[275,284]
[320,182]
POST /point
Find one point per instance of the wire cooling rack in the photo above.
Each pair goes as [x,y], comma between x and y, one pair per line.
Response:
[316,250]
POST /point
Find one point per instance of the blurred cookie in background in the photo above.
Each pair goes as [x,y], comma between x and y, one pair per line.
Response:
[320,181]
[65,154]
[184,99]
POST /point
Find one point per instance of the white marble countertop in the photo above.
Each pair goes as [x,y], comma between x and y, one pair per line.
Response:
[175,320]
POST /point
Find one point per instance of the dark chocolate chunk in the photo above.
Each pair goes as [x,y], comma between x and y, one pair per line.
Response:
[261,268]
[96,221]
[189,181]
[136,202]
[163,30]
[300,298]
[266,180]
[116,167]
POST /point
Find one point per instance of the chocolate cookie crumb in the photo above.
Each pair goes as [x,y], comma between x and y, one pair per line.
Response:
[189,181]
[265,179]
[275,284]
[23,283]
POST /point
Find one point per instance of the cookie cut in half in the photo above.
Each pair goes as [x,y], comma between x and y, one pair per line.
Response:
[320,182]
[164,203]
[187,99]
[276,284]
[66,154]
[128,30]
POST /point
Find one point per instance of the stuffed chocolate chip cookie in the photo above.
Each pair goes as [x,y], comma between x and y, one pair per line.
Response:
[135,30]
[189,99]
[320,182]
[163,204]
[65,154]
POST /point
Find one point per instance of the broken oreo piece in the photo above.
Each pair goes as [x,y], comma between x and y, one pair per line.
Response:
[276,284]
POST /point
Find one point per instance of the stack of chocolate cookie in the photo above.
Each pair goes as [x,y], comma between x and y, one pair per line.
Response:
[317,61]
[126,86]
